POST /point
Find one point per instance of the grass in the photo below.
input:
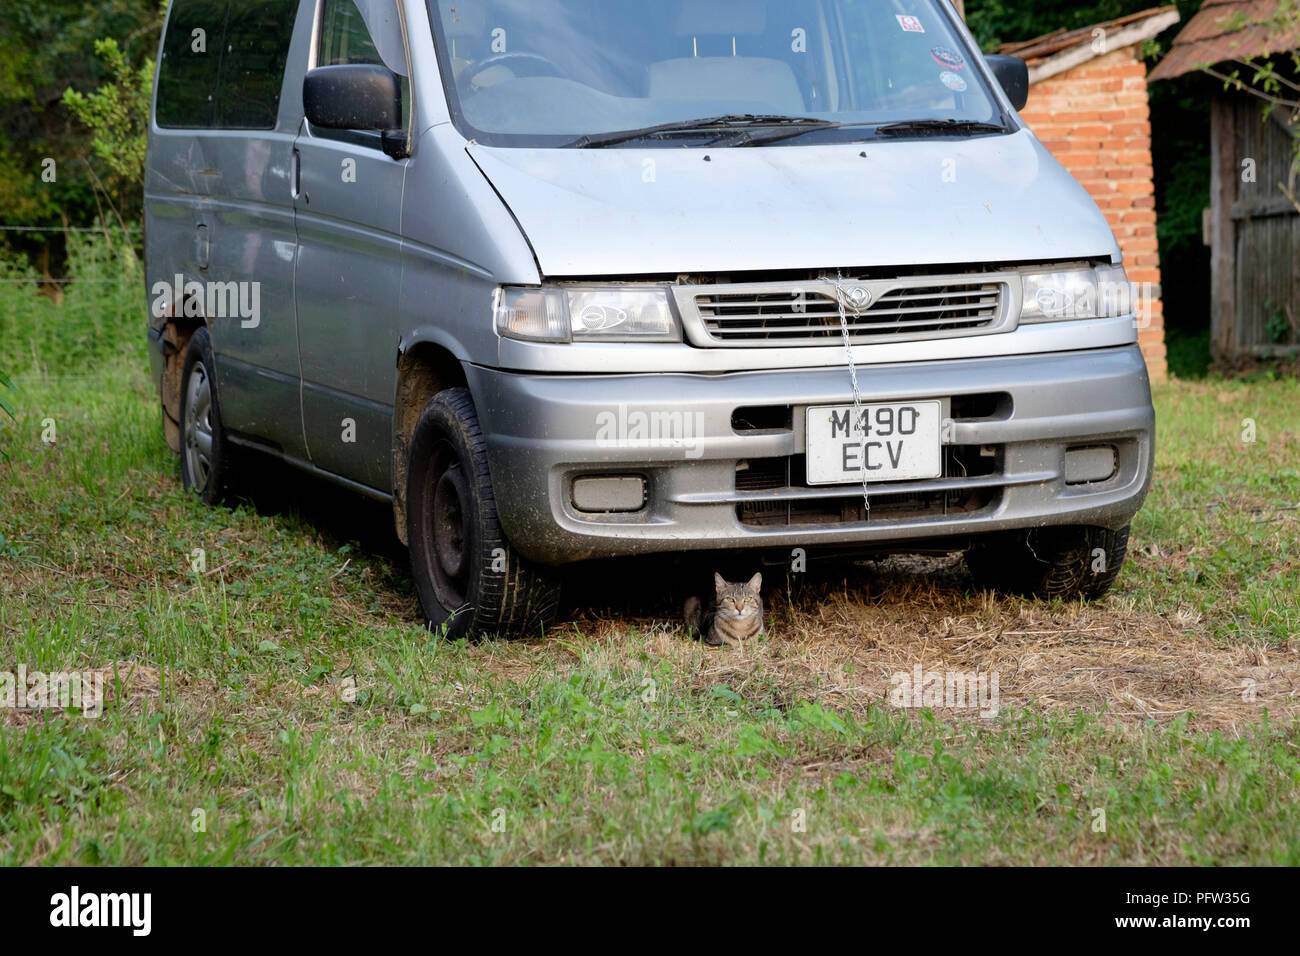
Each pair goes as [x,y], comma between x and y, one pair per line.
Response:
[274,703]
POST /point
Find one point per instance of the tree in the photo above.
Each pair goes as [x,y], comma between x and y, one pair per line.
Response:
[47,46]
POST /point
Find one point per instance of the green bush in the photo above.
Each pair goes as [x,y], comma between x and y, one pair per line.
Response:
[1189,352]
[117,113]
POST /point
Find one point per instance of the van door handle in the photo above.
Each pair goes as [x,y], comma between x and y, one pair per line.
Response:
[202,247]
[295,173]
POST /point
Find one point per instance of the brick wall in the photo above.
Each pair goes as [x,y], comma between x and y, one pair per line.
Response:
[1096,120]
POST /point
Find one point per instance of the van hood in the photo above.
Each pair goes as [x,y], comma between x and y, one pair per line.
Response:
[935,201]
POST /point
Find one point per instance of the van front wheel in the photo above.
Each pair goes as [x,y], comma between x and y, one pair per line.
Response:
[471,581]
[1072,563]
[207,457]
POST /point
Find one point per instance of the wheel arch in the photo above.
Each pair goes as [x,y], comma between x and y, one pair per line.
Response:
[178,328]
[423,371]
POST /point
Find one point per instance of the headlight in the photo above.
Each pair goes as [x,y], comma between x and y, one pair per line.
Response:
[569,314]
[1100,293]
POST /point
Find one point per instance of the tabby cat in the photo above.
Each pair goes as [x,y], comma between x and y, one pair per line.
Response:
[733,616]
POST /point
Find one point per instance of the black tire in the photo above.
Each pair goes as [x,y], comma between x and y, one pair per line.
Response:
[471,581]
[207,457]
[1071,563]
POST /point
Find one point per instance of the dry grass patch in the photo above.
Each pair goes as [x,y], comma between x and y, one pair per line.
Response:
[841,641]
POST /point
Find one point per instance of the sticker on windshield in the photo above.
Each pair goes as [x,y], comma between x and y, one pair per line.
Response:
[953,82]
[911,24]
[949,58]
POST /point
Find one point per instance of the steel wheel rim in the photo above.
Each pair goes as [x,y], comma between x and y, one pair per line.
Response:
[450,529]
[198,428]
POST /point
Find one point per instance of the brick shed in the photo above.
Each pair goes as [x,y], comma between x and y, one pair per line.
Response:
[1088,104]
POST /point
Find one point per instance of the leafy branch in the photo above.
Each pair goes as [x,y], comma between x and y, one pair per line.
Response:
[117,113]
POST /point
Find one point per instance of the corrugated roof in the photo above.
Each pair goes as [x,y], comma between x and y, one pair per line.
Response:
[1065,50]
[1208,38]
[1059,40]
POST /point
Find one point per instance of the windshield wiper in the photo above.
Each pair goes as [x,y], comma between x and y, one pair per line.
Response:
[780,134]
[721,124]
[776,128]
[939,126]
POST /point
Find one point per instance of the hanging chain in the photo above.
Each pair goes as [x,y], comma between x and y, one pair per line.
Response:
[845,304]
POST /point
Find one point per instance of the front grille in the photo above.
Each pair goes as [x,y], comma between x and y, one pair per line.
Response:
[768,483]
[756,316]
[849,511]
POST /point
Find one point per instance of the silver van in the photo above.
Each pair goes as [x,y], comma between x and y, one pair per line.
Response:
[567,280]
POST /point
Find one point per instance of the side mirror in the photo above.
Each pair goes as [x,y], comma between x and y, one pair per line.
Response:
[1013,74]
[354,96]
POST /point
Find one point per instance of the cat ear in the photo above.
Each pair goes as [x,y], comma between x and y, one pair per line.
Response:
[756,583]
[719,582]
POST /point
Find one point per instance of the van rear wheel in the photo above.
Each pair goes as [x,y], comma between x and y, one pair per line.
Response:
[1072,563]
[471,581]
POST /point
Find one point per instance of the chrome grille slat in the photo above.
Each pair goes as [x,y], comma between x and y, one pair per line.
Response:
[764,314]
[810,330]
[987,297]
[983,305]
[984,310]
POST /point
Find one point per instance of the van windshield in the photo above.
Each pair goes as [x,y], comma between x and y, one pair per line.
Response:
[700,72]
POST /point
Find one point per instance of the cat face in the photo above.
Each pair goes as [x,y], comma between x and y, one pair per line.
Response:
[739,600]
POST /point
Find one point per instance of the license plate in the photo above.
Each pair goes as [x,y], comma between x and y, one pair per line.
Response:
[884,442]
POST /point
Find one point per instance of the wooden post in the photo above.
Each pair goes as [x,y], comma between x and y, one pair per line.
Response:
[1224,170]
[961,8]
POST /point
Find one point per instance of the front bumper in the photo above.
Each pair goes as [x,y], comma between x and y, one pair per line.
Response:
[716,486]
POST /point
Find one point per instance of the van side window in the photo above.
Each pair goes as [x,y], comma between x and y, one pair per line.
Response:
[191,61]
[223,63]
[258,33]
[367,32]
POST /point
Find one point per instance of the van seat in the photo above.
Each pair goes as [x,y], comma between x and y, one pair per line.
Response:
[728,78]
